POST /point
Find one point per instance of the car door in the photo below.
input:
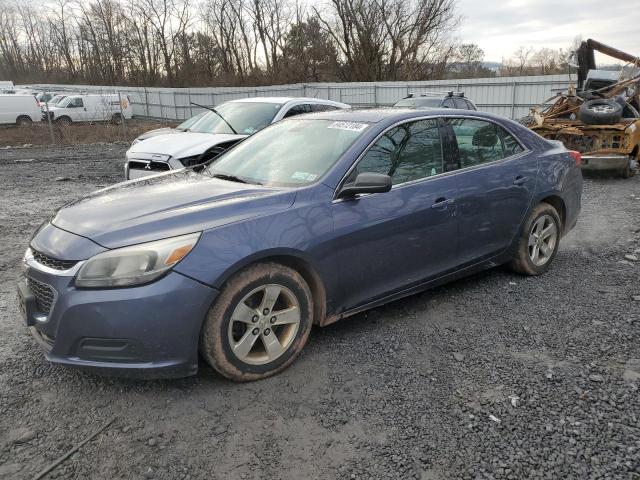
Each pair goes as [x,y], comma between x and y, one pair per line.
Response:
[496,181]
[390,241]
[77,110]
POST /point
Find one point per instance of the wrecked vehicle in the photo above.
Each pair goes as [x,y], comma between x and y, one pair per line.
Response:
[600,117]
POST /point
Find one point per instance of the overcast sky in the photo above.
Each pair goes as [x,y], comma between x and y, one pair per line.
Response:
[501,26]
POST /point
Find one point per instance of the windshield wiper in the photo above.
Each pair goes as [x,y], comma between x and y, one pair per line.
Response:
[217,113]
[232,178]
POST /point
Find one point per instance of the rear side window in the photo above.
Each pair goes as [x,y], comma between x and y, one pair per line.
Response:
[320,107]
[480,142]
[410,151]
[298,110]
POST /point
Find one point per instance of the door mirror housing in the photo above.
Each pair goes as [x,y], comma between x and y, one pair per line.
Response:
[366,182]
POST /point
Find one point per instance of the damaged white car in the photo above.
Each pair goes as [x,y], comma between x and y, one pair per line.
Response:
[216,132]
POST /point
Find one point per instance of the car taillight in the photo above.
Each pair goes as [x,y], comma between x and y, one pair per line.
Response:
[576,156]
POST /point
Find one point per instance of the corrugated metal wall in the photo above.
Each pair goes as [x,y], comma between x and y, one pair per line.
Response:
[508,96]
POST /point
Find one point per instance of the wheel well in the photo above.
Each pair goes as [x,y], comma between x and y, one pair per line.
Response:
[634,152]
[311,277]
[23,116]
[557,203]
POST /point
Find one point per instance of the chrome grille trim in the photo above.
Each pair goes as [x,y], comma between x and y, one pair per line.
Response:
[29,261]
[51,262]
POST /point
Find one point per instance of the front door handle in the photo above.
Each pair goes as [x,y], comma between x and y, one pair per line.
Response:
[520,180]
[442,202]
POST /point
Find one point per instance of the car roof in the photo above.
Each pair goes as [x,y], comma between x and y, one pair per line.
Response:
[283,100]
[375,115]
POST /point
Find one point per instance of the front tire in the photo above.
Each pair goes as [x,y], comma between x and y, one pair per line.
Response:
[64,121]
[629,171]
[259,323]
[538,242]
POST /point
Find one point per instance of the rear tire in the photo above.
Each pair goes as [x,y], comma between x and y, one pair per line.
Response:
[259,323]
[116,119]
[537,246]
[24,121]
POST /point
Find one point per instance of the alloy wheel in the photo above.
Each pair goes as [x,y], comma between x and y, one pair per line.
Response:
[264,324]
[542,240]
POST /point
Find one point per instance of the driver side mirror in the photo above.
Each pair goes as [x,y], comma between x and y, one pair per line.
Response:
[366,182]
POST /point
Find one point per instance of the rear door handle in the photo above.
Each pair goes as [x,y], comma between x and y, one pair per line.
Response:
[442,202]
[520,180]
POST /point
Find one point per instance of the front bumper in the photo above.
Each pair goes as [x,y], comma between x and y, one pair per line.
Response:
[606,162]
[150,331]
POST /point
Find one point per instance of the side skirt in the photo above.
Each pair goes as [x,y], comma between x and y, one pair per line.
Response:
[464,272]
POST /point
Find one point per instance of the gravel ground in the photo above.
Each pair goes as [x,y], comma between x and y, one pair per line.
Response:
[496,376]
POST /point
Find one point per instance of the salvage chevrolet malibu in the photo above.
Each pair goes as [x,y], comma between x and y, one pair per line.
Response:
[311,220]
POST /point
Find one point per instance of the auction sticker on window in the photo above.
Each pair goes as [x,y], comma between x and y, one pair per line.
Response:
[353,126]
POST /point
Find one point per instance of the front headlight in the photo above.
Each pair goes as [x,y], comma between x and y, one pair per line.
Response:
[135,265]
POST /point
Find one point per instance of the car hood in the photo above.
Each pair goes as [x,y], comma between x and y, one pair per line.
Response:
[182,144]
[166,205]
[156,132]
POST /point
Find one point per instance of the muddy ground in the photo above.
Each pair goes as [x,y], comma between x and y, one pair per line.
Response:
[496,376]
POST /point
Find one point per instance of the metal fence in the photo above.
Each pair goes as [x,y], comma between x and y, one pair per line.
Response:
[508,96]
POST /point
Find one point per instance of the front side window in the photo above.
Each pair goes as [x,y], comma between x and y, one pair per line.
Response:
[448,103]
[461,103]
[297,110]
[289,153]
[71,102]
[407,152]
[480,142]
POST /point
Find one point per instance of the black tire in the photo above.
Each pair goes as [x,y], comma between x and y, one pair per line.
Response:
[591,114]
[24,121]
[215,344]
[116,119]
[64,121]
[628,172]
[522,261]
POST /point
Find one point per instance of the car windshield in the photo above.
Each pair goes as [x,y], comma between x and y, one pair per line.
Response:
[290,153]
[246,118]
[430,102]
[190,121]
[64,102]
[57,99]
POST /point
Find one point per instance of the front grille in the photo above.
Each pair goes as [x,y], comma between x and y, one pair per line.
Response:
[151,166]
[45,295]
[47,261]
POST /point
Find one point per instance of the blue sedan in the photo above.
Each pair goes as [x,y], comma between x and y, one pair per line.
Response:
[307,222]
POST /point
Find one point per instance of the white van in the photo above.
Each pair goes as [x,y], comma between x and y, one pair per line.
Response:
[21,110]
[91,108]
